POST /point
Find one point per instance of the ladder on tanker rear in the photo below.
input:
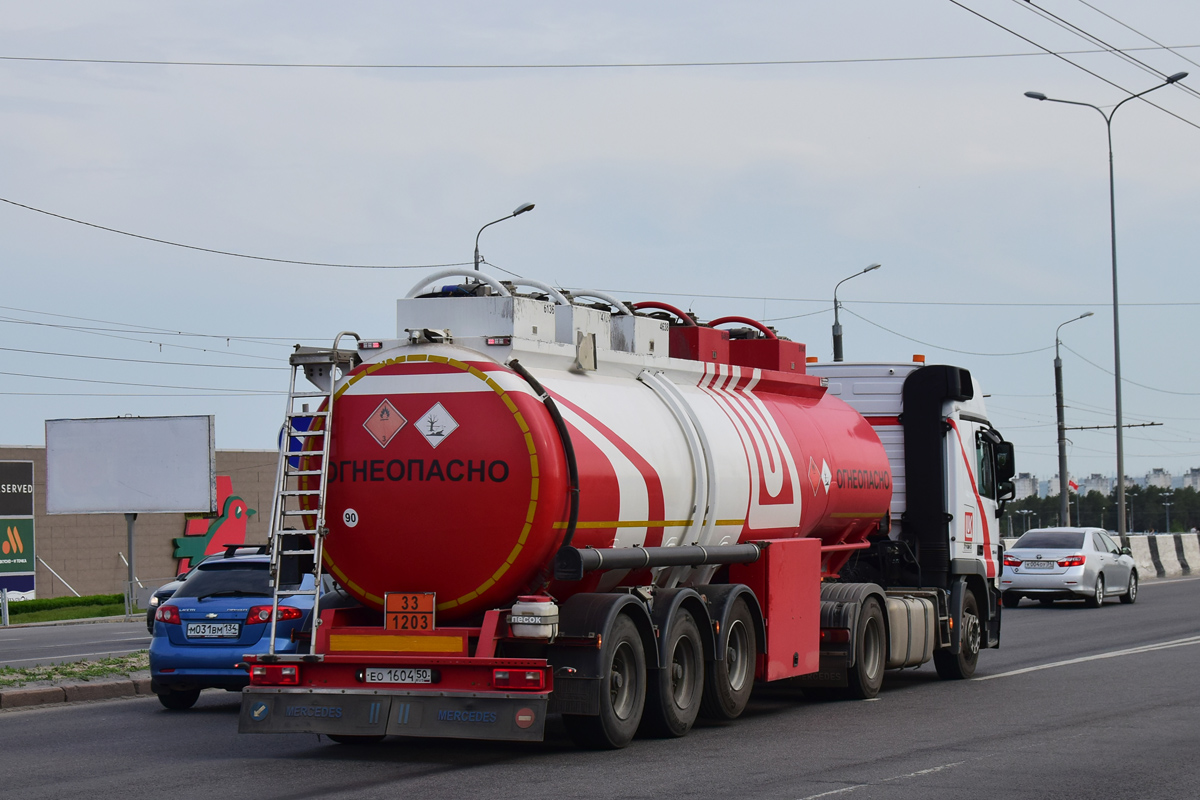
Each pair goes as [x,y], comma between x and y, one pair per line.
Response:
[308,422]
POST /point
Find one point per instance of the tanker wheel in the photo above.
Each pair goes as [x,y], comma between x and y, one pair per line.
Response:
[961,665]
[673,693]
[866,676]
[727,684]
[623,675]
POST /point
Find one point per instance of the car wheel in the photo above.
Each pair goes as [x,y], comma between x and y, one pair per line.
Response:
[1010,599]
[178,700]
[961,665]
[1130,595]
[1097,598]
[623,674]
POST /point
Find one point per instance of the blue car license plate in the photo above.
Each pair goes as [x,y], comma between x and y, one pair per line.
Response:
[214,630]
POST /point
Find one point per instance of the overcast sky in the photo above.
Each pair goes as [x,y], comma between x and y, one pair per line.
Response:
[742,189]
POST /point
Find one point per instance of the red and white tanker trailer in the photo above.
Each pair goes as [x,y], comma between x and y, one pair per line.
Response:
[536,501]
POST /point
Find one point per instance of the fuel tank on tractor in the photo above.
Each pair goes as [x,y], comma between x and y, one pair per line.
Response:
[447,473]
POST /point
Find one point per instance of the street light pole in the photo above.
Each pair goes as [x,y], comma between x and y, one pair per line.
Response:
[1167,505]
[1064,501]
[1112,219]
[521,209]
[837,325]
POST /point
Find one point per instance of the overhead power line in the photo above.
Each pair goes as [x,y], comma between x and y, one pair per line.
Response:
[1139,33]
[1062,57]
[943,347]
[553,66]
[142,385]
[135,360]
[228,252]
[1132,383]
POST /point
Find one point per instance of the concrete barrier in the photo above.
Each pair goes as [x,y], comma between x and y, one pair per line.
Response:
[1164,555]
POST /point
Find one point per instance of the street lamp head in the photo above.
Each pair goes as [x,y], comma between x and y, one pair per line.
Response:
[1086,314]
[1035,95]
[1178,76]
[873,266]
[521,209]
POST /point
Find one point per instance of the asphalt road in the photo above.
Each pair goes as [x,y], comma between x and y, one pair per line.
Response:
[1083,703]
[30,646]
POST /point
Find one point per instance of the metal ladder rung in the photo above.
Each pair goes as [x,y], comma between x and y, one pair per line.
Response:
[303,434]
[310,394]
[297,552]
[306,414]
[296,592]
[299,492]
[297,513]
[304,472]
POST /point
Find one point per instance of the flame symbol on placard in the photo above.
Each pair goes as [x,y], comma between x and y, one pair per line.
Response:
[14,543]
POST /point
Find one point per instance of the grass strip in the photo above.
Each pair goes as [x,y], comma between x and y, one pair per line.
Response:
[44,604]
[73,612]
[75,670]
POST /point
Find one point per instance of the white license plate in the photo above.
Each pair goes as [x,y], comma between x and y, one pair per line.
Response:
[1038,564]
[402,675]
[214,630]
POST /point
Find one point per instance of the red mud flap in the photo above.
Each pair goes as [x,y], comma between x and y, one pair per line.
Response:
[508,717]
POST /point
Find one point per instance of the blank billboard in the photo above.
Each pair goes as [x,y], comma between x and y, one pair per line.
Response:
[140,465]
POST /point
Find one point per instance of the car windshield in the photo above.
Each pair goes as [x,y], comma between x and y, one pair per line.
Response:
[1052,540]
[229,578]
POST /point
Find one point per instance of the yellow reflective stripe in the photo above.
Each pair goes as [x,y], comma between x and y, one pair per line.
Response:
[385,643]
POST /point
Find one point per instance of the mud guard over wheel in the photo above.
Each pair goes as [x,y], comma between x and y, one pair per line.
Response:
[622,690]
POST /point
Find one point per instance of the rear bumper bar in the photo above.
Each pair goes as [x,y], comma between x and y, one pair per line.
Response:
[366,712]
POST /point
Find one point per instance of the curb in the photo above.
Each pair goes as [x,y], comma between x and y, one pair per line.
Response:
[104,689]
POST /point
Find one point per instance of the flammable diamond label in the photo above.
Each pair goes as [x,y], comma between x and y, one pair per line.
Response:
[814,475]
[384,423]
[436,424]
[826,475]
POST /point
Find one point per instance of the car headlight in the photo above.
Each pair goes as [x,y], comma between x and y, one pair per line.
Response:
[154,601]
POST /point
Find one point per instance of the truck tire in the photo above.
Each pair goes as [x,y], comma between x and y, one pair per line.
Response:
[866,676]
[961,665]
[728,683]
[622,691]
[178,700]
[674,693]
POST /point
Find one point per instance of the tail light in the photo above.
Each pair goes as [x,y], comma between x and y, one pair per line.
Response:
[274,674]
[835,635]
[1071,561]
[1012,561]
[167,614]
[262,614]
[518,679]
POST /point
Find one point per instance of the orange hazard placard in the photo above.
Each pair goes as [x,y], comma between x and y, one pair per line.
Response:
[408,611]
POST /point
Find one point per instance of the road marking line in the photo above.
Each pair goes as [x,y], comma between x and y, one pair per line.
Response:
[72,655]
[856,787]
[1149,648]
[1157,582]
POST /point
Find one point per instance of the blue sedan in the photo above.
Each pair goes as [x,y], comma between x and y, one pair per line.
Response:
[221,612]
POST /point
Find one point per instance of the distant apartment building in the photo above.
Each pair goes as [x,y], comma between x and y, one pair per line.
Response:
[1191,480]
[1158,478]
[1027,485]
[1096,483]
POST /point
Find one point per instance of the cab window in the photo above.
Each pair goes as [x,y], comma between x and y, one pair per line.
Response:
[986,467]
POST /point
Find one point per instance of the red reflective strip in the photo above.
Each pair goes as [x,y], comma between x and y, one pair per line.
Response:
[987,537]
[879,422]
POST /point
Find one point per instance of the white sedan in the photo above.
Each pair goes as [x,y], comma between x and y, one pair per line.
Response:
[1051,564]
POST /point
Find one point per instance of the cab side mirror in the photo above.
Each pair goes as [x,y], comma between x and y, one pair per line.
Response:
[1006,466]
[1125,551]
[1007,490]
